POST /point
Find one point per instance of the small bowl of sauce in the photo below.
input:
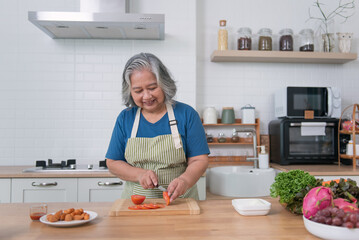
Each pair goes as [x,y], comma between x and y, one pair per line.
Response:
[37,211]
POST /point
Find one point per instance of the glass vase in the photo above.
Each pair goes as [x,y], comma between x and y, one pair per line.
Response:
[328,42]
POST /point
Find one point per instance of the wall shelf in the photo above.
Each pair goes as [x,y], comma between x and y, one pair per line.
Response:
[232,160]
[282,57]
[353,132]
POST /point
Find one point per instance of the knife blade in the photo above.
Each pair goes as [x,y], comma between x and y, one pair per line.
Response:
[161,188]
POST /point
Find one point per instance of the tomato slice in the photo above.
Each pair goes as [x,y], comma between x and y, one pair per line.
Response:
[138,199]
[134,207]
[166,197]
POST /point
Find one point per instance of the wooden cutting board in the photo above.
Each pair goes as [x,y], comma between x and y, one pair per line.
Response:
[180,206]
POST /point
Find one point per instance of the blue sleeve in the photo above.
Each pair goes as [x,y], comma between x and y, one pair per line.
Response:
[195,136]
[116,148]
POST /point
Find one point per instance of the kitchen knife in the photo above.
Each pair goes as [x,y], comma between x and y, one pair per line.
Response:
[161,188]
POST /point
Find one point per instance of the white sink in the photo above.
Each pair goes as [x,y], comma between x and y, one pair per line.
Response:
[240,181]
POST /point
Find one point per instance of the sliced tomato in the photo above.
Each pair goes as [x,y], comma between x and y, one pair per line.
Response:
[138,199]
[134,207]
[166,197]
[151,206]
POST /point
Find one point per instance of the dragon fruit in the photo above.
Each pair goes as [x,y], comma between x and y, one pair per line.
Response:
[345,205]
[317,199]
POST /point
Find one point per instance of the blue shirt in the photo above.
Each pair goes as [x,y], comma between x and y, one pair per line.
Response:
[188,123]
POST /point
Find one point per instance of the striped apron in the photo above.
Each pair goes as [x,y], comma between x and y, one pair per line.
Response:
[163,154]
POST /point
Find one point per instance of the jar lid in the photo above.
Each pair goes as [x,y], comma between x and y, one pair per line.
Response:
[265,31]
[222,23]
[245,30]
[248,106]
[306,31]
[286,31]
[228,108]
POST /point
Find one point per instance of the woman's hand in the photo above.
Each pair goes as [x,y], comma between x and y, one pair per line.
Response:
[177,187]
[148,179]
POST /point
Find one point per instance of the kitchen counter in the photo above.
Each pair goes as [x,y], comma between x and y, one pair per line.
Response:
[16,172]
[317,170]
[218,220]
[321,170]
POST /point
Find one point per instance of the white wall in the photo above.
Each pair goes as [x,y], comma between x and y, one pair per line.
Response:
[59,98]
[238,84]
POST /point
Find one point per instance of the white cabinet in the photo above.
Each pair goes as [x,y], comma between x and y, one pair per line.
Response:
[201,186]
[99,189]
[44,190]
[5,190]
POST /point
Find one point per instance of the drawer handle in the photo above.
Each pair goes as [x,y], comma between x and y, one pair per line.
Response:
[44,184]
[109,183]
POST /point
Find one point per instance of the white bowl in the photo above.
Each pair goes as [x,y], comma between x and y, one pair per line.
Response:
[331,232]
[251,206]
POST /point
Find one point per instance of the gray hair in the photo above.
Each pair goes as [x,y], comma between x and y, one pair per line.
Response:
[147,61]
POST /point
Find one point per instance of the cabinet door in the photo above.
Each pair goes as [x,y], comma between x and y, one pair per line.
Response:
[44,190]
[100,189]
[5,190]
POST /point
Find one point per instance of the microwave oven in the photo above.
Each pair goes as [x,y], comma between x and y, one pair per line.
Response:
[303,141]
[292,102]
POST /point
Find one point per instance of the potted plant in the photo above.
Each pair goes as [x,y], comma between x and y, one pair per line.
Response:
[326,16]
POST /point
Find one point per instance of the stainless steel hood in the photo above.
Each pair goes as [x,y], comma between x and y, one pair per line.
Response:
[100,19]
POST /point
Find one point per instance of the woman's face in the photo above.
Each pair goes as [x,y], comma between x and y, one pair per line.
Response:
[146,92]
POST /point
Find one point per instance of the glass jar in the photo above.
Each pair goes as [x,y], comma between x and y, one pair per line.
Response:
[286,39]
[235,137]
[222,35]
[306,40]
[209,138]
[265,39]
[221,138]
[244,39]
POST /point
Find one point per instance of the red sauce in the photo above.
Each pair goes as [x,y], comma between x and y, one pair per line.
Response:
[37,215]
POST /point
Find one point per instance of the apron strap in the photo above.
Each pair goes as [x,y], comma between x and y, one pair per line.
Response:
[173,126]
[135,123]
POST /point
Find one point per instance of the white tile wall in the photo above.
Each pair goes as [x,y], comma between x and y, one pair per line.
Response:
[59,98]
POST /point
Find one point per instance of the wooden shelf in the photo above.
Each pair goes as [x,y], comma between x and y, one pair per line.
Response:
[348,132]
[282,56]
[242,141]
[353,134]
[348,156]
[238,122]
[233,160]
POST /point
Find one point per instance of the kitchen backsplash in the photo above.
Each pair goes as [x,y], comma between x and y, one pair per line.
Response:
[59,99]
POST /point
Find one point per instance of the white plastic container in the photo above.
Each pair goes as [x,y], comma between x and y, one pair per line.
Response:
[248,114]
[210,116]
[349,150]
[263,159]
[251,206]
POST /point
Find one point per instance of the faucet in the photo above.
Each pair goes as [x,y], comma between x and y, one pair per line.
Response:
[255,155]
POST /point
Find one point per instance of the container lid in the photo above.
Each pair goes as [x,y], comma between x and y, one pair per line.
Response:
[222,23]
[248,106]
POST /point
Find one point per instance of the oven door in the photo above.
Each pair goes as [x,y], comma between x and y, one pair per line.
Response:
[320,147]
[300,99]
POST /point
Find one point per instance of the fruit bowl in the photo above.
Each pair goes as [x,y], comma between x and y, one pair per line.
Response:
[330,232]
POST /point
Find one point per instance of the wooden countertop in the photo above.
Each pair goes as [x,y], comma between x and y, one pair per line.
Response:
[321,170]
[218,220]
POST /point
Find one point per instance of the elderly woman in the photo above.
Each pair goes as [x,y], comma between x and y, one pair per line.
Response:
[156,140]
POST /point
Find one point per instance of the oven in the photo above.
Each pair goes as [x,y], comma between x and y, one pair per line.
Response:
[303,141]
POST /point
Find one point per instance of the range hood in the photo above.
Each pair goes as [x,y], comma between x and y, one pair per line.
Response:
[100,19]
